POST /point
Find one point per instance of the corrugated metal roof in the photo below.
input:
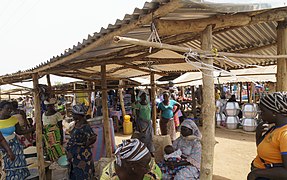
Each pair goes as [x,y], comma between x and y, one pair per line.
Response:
[257,38]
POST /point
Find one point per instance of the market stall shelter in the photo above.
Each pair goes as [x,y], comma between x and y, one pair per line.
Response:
[253,29]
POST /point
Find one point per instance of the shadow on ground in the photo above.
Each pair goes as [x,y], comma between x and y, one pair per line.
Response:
[238,135]
[216,177]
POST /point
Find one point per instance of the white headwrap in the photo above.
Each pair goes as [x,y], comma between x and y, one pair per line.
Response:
[191,125]
[50,101]
[130,150]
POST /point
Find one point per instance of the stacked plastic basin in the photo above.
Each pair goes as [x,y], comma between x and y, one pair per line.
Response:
[232,110]
[249,121]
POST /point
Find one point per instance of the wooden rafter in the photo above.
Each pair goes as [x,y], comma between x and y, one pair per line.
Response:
[170,27]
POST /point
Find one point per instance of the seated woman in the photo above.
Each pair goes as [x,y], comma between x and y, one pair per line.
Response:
[79,146]
[133,161]
[17,168]
[53,131]
[189,144]
[271,159]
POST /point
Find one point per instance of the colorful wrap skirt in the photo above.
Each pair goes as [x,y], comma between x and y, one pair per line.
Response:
[52,139]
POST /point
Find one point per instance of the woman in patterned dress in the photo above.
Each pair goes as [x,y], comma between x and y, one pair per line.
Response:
[79,146]
[16,169]
[53,131]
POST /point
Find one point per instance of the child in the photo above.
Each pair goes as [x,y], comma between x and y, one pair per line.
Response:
[172,162]
[170,153]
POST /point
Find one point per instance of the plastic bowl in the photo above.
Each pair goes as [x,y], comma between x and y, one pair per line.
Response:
[63,161]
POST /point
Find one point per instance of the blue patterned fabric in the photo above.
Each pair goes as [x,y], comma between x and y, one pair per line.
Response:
[190,147]
[169,173]
[18,168]
[80,156]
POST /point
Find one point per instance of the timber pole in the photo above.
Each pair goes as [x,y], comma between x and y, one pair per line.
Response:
[281,50]
[105,111]
[121,96]
[89,88]
[253,92]
[240,92]
[182,91]
[248,94]
[193,102]
[208,110]
[39,138]
[153,99]
[49,83]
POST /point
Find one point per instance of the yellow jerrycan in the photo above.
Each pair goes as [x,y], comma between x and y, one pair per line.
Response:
[127,125]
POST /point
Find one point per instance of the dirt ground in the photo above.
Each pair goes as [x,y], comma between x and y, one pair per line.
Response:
[233,153]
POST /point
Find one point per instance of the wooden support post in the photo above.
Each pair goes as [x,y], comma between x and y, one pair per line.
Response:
[89,88]
[93,105]
[193,102]
[49,84]
[281,50]
[39,138]
[75,95]
[105,111]
[248,95]
[251,92]
[200,95]
[121,96]
[48,80]
[182,91]
[240,92]
[208,110]
[153,101]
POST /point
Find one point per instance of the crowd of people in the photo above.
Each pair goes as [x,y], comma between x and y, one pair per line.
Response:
[134,158]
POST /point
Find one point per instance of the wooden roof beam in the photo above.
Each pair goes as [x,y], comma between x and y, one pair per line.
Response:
[170,27]
[132,66]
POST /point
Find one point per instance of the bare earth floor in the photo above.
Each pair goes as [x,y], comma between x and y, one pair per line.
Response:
[233,154]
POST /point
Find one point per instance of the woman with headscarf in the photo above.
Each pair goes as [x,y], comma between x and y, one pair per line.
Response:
[133,161]
[167,126]
[17,168]
[189,144]
[79,146]
[27,137]
[53,131]
[271,159]
[143,121]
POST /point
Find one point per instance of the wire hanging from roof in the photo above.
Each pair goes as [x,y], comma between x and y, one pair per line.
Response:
[154,37]
[200,65]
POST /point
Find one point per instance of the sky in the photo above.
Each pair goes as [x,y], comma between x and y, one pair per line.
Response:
[33,31]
